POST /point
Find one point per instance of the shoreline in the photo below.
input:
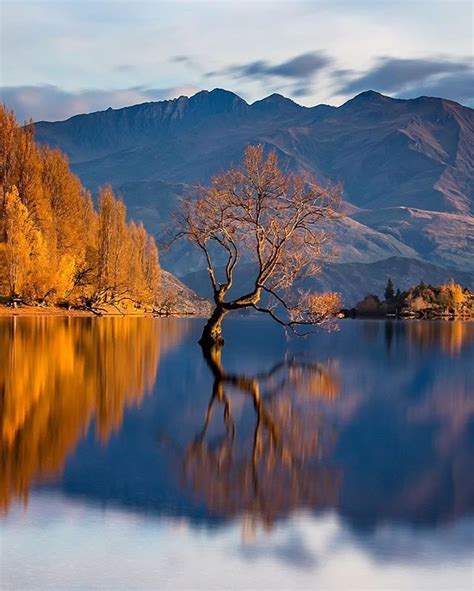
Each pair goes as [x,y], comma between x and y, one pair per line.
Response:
[52,311]
[55,312]
[402,317]
[6,311]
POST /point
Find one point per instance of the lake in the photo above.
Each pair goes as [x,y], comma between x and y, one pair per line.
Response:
[343,460]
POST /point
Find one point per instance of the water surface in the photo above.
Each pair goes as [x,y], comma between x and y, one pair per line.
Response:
[343,460]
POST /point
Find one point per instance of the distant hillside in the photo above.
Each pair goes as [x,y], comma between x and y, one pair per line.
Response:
[178,298]
[406,165]
[353,280]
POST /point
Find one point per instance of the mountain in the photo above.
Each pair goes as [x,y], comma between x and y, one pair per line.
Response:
[178,297]
[352,280]
[442,238]
[406,165]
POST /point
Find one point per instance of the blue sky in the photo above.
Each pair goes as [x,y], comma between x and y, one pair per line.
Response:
[62,57]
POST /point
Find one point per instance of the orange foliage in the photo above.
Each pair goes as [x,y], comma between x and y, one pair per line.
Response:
[56,375]
[53,245]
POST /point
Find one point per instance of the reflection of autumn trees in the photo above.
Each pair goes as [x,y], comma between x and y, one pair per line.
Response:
[276,465]
[451,337]
[56,375]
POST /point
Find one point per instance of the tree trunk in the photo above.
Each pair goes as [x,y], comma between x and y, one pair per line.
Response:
[212,333]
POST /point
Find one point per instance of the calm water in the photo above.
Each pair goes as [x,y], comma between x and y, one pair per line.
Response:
[340,461]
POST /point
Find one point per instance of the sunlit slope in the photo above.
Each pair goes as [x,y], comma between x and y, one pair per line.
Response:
[389,154]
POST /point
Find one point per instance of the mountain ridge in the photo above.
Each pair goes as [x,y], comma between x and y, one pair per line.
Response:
[352,280]
[406,164]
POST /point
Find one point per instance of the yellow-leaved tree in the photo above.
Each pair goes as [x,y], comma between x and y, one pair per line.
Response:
[452,295]
[19,230]
[54,246]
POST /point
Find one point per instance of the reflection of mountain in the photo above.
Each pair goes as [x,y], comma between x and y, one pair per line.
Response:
[275,466]
[383,434]
[56,375]
[408,442]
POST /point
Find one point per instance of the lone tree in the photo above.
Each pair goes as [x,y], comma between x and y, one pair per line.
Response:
[278,220]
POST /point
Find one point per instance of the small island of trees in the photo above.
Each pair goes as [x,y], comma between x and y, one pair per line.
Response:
[448,300]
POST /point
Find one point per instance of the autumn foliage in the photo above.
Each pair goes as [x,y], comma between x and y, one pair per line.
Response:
[423,300]
[62,374]
[54,245]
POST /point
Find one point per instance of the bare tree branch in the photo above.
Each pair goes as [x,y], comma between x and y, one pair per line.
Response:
[255,211]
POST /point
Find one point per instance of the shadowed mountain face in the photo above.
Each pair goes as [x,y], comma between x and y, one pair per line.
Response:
[352,280]
[406,165]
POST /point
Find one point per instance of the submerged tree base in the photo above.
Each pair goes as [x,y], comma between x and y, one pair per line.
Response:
[212,331]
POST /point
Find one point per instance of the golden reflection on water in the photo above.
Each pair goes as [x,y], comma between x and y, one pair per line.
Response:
[450,336]
[56,375]
[263,444]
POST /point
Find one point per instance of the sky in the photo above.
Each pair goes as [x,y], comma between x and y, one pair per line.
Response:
[64,57]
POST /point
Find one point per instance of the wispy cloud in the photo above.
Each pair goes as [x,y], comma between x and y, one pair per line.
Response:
[299,70]
[410,77]
[456,87]
[160,44]
[52,103]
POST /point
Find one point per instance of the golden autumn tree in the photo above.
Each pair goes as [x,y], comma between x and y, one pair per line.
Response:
[69,205]
[143,257]
[127,258]
[18,246]
[276,219]
[8,137]
[112,248]
[54,246]
[452,295]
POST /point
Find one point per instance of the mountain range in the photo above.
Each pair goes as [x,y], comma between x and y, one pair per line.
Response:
[406,167]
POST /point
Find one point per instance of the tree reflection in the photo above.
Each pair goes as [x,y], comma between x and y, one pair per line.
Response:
[56,375]
[450,336]
[277,465]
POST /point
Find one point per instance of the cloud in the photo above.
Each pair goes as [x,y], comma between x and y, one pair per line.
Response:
[400,76]
[53,103]
[125,68]
[456,87]
[181,59]
[299,70]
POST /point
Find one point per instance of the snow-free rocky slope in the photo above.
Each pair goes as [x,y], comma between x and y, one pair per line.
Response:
[406,166]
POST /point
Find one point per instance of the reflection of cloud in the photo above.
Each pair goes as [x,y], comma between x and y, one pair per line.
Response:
[53,103]
[413,77]
[286,547]
[195,558]
[300,70]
